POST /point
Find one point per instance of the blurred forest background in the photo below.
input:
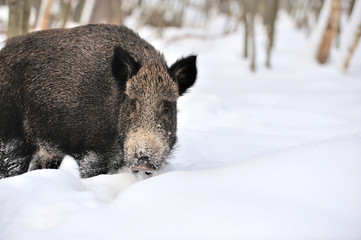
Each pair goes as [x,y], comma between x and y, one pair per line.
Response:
[21,16]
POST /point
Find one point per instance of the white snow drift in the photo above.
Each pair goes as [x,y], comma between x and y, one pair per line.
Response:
[270,155]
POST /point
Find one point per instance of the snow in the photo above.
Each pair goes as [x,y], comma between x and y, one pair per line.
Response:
[4,13]
[274,154]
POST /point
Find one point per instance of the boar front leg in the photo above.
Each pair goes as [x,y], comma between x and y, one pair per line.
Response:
[47,156]
[93,163]
[15,157]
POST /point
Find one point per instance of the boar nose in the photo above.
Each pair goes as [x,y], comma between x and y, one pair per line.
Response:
[143,167]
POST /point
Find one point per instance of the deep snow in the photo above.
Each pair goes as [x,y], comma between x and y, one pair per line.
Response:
[274,154]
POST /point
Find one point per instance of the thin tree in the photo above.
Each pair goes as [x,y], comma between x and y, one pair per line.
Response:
[19,14]
[270,19]
[352,35]
[245,11]
[45,24]
[116,10]
[350,7]
[330,32]
[252,34]
[65,12]
[36,4]
[78,11]
[107,11]
[352,49]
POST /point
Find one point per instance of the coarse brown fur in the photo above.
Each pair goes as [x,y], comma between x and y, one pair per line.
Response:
[95,90]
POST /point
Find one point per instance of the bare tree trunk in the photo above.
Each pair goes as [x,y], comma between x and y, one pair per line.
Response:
[350,8]
[116,11]
[65,12]
[207,8]
[330,32]
[45,22]
[19,14]
[352,49]
[37,6]
[246,28]
[272,8]
[78,10]
[101,12]
[26,16]
[245,47]
[106,11]
[252,35]
[15,18]
[317,8]
[161,23]
[227,10]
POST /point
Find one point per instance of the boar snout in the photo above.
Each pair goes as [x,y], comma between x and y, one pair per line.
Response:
[143,167]
[145,152]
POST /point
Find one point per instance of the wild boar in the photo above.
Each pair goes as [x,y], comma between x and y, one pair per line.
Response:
[99,93]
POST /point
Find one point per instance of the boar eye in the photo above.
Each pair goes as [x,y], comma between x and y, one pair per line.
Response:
[134,105]
[166,107]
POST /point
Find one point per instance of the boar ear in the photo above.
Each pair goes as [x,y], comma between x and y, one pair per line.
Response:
[123,66]
[184,72]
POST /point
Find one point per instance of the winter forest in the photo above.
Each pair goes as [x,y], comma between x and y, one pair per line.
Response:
[21,16]
[269,137]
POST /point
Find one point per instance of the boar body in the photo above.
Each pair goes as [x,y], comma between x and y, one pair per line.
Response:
[99,93]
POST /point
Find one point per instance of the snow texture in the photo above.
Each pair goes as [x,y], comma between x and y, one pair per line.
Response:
[274,154]
[4,14]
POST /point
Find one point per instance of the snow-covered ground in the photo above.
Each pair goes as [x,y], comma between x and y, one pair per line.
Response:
[274,154]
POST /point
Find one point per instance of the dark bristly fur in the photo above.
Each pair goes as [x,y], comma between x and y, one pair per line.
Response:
[99,93]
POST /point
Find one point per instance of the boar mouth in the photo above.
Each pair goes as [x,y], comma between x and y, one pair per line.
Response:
[145,167]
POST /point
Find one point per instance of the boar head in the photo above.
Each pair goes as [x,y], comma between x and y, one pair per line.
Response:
[148,113]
